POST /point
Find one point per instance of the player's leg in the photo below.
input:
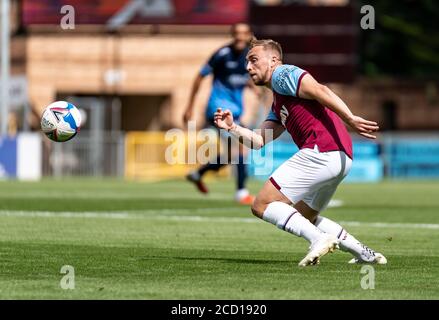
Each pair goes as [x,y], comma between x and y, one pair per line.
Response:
[274,207]
[196,176]
[309,179]
[316,202]
[242,194]
[214,165]
[348,243]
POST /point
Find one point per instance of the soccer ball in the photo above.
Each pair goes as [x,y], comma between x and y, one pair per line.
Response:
[61,121]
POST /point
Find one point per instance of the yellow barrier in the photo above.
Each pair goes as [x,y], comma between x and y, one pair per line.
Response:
[146,153]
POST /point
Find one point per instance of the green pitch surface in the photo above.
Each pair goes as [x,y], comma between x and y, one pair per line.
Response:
[128,240]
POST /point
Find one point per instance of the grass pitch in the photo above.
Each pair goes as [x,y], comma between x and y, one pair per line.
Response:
[131,240]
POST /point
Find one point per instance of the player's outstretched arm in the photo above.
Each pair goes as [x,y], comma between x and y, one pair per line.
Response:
[311,89]
[190,106]
[269,131]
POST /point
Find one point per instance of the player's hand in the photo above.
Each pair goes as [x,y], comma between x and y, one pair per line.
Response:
[224,119]
[364,127]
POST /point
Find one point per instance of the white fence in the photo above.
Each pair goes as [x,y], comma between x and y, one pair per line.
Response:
[86,155]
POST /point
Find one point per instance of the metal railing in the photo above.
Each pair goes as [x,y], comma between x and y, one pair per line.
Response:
[87,155]
[143,155]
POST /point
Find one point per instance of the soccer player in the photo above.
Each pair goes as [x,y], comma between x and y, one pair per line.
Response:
[230,77]
[302,187]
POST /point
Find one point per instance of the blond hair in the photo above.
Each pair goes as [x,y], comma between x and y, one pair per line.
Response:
[268,44]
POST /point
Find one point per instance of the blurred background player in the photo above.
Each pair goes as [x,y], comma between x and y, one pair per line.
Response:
[230,77]
[302,187]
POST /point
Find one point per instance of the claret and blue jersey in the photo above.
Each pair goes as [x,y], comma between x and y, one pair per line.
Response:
[308,122]
[286,80]
[229,80]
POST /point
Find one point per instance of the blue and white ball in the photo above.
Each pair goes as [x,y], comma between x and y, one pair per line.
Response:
[61,121]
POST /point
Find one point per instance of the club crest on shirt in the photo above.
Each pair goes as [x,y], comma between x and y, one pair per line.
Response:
[283,115]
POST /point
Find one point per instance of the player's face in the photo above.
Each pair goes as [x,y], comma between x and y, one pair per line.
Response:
[242,36]
[260,65]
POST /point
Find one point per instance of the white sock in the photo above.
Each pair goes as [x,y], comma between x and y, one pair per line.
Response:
[347,241]
[287,218]
[241,193]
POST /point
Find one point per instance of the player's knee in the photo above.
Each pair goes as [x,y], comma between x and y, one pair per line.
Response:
[258,208]
[255,210]
[307,211]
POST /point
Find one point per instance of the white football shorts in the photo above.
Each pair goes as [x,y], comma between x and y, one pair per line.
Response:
[312,176]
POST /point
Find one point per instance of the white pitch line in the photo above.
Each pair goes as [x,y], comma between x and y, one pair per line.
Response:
[165,215]
[390,225]
[335,203]
[193,196]
[147,215]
